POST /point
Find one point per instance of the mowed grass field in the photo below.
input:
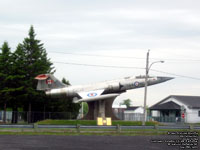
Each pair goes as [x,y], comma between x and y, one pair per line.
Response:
[94,122]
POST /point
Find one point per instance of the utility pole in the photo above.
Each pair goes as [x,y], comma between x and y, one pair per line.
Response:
[146,84]
[145,89]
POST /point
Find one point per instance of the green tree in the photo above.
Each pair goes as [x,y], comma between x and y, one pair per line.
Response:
[68,105]
[85,108]
[17,73]
[65,82]
[35,62]
[126,102]
[63,108]
[10,89]
[18,78]
[5,68]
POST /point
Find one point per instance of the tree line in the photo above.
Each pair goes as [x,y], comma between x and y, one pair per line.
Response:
[18,86]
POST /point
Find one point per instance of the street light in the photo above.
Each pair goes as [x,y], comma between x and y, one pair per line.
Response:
[154,63]
[146,83]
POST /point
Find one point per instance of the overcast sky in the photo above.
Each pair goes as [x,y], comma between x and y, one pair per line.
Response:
[125,28]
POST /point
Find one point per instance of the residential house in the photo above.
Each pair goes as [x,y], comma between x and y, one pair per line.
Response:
[177,108]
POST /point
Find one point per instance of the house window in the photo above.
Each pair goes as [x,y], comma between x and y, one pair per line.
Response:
[199,113]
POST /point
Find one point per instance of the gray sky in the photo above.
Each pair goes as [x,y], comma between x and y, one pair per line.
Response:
[170,29]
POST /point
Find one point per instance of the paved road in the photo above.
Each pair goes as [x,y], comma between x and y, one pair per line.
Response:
[53,142]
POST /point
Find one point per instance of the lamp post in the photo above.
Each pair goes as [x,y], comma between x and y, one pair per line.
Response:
[146,84]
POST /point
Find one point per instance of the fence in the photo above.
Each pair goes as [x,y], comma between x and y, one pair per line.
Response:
[8,116]
[133,116]
[37,116]
[117,127]
[16,117]
[119,115]
[166,119]
[139,117]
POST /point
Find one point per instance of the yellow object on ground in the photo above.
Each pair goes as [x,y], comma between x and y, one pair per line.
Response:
[104,121]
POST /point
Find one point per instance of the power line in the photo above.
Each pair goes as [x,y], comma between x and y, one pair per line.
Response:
[127,67]
[95,55]
[127,57]
[92,65]
[178,75]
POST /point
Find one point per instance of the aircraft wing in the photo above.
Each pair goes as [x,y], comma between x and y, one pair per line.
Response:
[90,94]
[94,96]
[101,97]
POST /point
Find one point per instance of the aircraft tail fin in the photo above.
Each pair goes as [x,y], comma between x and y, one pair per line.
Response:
[47,82]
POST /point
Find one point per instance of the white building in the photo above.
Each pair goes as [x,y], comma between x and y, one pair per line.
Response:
[134,109]
[134,113]
[177,108]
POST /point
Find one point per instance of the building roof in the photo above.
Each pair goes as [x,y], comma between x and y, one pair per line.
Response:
[132,108]
[168,106]
[190,101]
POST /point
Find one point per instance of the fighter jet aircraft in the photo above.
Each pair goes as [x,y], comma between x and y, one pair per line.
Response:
[93,92]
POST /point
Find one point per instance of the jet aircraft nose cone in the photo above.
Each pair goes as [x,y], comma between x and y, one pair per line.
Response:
[163,79]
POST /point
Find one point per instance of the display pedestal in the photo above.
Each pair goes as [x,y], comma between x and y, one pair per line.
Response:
[101,108]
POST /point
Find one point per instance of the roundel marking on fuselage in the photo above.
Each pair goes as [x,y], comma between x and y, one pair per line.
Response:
[136,83]
[92,94]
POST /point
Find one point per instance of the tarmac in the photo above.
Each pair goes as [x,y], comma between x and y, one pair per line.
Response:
[54,142]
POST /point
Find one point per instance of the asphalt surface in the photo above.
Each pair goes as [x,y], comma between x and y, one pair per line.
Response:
[53,142]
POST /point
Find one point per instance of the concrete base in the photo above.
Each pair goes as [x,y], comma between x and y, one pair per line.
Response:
[102,108]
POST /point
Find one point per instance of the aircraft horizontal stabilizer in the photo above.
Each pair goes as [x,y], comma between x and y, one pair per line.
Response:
[101,97]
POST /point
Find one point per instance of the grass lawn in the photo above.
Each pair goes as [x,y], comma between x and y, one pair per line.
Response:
[94,122]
